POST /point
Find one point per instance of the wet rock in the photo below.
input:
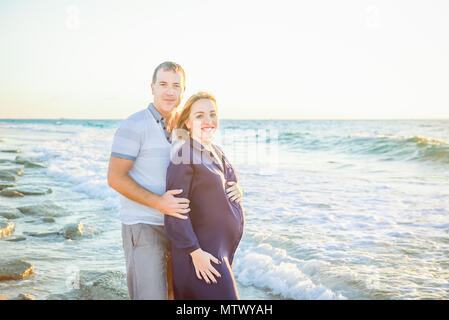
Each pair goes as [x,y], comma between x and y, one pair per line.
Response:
[31,191]
[93,285]
[28,163]
[11,193]
[48,219]
[42,210]
[24,296]
[7,185]
[15,269]
[73,230]
[7,176]
[76,230]
[12,151]
[6,227]
[16,171]
[42,234]
[21,160]
[10,213]
[15,238]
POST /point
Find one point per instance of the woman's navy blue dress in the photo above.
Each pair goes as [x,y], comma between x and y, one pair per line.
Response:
[215,223]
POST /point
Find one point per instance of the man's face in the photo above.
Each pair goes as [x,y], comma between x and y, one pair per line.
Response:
[167,91]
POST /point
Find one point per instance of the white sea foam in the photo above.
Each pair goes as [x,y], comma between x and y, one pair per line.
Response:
[82,161]
[272,269]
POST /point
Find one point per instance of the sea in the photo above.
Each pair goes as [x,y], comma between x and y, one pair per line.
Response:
[334,209]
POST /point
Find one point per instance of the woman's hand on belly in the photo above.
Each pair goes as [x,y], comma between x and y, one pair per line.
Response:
[203,268]
[234,192]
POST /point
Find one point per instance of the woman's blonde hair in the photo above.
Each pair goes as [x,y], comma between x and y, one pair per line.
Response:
[180,121]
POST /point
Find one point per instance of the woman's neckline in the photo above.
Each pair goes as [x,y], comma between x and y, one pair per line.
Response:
[214,150]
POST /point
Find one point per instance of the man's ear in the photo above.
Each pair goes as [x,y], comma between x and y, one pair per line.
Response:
[152,88]
[182,93]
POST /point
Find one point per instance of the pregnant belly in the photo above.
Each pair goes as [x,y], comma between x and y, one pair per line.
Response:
[222,238]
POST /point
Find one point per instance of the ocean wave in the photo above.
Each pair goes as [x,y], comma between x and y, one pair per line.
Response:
[392,147]
[82,161]
[417,139]
[272,269]
[38,128]
[58,126]
[412,148]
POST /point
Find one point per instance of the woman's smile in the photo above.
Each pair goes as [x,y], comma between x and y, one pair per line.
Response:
[207,128]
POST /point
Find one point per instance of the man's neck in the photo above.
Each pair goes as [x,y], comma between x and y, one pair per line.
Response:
[166,116]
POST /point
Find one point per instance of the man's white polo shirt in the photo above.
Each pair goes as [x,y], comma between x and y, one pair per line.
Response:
[142,138]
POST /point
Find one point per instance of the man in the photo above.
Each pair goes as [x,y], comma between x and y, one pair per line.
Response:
[137,170]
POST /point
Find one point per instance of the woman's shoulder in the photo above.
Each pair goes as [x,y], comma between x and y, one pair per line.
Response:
[220,150]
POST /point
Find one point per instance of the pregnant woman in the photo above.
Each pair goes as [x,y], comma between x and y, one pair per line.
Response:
[203,245]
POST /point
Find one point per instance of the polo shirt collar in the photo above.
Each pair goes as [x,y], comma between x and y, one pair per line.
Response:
[155,113]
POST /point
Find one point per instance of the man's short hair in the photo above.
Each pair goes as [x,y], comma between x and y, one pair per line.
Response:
[169,65]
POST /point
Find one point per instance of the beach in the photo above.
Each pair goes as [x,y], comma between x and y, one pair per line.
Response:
[334,209]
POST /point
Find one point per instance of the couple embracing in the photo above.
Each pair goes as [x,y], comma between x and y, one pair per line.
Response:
[180,202]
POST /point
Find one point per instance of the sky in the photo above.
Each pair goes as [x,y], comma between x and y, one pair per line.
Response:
[322,59]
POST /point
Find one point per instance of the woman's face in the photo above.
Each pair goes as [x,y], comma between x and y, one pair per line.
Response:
[203,122]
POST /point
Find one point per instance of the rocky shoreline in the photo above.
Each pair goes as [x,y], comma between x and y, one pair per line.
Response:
[94,285]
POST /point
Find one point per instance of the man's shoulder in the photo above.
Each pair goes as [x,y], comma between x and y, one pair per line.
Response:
[135,121]
[138,116]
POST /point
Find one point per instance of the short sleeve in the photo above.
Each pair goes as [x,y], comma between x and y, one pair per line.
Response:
[179,231]
[127,140]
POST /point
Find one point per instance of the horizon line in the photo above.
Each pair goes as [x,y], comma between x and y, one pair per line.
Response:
[243,119]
